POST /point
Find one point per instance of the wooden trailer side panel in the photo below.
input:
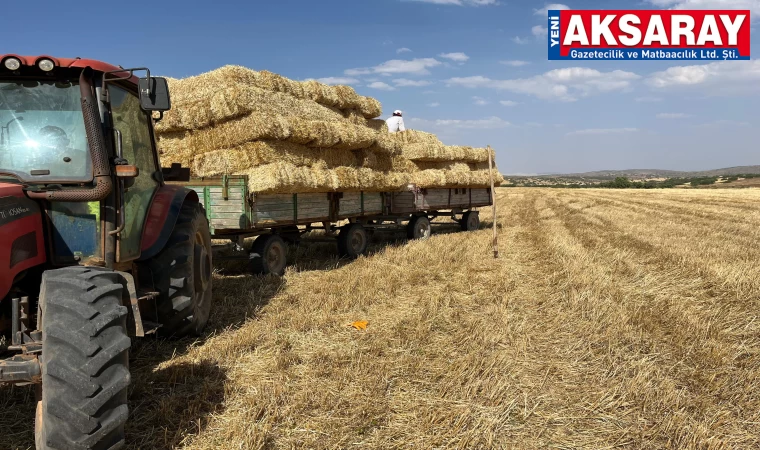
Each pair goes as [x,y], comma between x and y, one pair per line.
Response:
[438,199]
[355,204]
[460,198]
[431,199]
[226,209]
[403,202]
[481,197]
[270,210]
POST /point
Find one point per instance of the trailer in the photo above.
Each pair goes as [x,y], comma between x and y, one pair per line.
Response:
[235,213]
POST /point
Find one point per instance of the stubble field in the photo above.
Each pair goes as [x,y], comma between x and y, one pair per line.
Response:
[613,319]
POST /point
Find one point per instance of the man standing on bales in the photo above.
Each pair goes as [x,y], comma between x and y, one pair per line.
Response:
[396,123]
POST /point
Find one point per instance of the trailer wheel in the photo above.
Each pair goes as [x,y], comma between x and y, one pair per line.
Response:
[352,241]
[268,255]
[85,360]
[418,228]
[470,221]
[182,275]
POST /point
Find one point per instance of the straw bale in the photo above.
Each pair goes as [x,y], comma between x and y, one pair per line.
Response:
[251,154]
[286,178]
[371,107]
[348,99]
[415,137]
[442,153]
[237,100]
[354,116]
[343,97]
[339,135]
[434,178]
[384,162]
[378,125]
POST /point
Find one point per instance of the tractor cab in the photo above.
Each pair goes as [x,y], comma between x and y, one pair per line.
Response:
[92,242]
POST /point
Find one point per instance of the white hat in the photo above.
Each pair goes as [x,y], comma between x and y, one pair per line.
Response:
[397,112]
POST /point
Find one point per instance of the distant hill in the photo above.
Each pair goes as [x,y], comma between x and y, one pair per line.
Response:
[655,173]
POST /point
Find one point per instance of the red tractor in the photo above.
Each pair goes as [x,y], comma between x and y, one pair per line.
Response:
[94,247]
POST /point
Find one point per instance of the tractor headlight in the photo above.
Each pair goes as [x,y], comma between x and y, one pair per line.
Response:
[12,63]
[45,65]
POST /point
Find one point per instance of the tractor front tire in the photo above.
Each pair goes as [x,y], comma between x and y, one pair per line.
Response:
[85,360]
[182,275]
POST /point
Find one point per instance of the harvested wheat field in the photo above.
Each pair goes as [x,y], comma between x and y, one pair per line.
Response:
[613,319]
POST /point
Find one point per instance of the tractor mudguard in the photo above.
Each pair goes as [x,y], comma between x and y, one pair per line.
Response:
[162,216]
[22,241]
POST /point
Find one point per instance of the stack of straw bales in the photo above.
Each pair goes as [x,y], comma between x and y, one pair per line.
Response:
[292,136]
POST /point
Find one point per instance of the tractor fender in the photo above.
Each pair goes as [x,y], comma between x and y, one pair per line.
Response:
[162,217]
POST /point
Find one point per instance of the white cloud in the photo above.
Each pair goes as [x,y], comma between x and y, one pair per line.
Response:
[460,2]
[508,103]
[648,99]
[458,56]
[514,63]
[434,105]
[545,10]
[357,72]
[403,50]
[721,123]
[567,84]
[487,123]
[673,116]
[539,30]
[337,80]
[519,40]
[596,131]
[718,77]
[752,5]
[417,66]
[403,82]
[480,101]
[381,86]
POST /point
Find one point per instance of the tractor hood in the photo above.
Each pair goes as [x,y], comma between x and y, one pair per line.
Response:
[22,244]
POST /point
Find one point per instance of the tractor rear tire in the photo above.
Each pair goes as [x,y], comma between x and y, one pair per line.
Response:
[418,228]
[352,241]
[85,360]
[182,275]
[269,255]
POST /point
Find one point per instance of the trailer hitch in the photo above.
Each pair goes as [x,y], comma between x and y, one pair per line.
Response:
[21,370]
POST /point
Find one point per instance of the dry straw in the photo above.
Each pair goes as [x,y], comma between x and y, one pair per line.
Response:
[340,97]
[285,178]
[291,136]
[340,135]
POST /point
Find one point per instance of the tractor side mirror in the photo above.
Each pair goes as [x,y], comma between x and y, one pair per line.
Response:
[154,94]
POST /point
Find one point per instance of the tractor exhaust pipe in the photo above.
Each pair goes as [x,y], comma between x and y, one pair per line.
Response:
[103,185]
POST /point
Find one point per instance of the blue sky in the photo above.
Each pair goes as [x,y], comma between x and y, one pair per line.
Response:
[475,72]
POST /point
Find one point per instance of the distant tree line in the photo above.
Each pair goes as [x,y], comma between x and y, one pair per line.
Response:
[626,183]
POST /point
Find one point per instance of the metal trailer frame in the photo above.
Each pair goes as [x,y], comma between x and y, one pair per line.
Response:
[234,213]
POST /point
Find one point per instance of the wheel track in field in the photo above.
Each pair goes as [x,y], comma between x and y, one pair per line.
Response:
[706,384]
[682,212]
[734,248]
[581,407]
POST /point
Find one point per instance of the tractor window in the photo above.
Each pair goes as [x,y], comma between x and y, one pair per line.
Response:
[42,135]
[134,125]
